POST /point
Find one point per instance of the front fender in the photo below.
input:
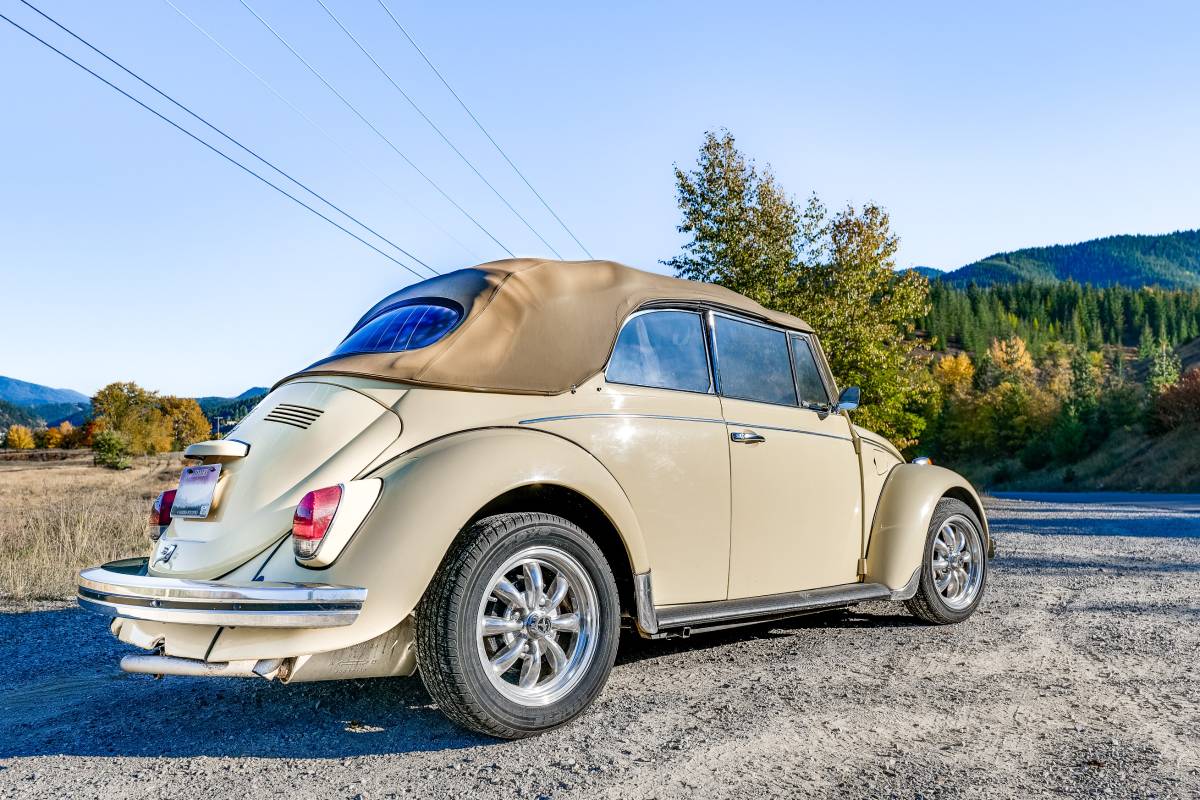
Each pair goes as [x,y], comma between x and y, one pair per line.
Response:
[901,522]
[429,494]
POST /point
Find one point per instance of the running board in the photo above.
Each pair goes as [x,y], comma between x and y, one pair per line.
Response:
[687,618]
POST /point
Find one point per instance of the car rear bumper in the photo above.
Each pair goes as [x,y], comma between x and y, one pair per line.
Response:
[123,589]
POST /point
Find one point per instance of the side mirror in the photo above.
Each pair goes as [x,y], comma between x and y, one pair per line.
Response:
[848,400]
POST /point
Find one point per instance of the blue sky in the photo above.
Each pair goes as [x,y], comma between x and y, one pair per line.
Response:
[127,251]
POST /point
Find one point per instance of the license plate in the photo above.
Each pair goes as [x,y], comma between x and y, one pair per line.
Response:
[194,497]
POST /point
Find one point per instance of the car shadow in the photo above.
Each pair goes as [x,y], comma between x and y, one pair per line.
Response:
[83,705]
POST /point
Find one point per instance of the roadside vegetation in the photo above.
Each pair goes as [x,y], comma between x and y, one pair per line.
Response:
[1027,384]
[57,517]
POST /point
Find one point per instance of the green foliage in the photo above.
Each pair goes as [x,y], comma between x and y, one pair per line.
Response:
[1067,311]
[110,448]
[1165,367]
[16,415]
[1171,260]
[149,423]
[835,271]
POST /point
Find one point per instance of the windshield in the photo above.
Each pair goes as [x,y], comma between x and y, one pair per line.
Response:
[407,327]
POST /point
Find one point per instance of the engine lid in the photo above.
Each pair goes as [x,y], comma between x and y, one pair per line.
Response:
[303,435]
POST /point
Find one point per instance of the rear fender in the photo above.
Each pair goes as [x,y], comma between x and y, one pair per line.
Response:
[901,522]
[428,496]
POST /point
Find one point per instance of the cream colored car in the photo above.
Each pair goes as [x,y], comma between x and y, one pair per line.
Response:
[501,467]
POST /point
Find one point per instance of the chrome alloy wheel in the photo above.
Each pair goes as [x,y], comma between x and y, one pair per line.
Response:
[956,561]
[537,626]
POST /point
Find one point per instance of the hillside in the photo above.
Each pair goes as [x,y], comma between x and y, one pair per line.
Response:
[11,414]
[23,393]
[1169,260]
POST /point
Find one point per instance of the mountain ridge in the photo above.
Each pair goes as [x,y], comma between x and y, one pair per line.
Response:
[1169,260]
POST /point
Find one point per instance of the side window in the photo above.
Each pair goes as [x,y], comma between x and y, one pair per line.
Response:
[662,349]
[753,362]
[808,375]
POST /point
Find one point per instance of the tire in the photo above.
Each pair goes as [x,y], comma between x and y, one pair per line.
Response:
[538,688]
[945,605]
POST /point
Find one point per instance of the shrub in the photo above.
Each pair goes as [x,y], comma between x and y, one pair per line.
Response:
[1179,404]
[19,438]
[111,449]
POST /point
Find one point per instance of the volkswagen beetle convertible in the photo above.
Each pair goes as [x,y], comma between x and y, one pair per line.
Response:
[501,467]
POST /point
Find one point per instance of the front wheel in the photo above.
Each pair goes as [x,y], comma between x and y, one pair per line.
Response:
[518,630]
[954,565]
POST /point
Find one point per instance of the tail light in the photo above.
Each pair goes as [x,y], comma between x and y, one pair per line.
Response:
[160,514]
[312,520]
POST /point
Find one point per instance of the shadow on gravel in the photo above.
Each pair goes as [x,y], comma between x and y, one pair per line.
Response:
[76,701]
[635,649]
[1117,566]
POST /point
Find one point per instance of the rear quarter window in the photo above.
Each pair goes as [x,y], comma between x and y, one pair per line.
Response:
[407,327]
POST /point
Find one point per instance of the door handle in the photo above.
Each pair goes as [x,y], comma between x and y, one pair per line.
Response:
[747,437]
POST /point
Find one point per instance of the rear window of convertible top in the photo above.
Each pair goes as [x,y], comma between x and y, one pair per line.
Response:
[406,327]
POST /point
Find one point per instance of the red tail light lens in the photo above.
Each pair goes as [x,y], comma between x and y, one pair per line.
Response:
[312,519]
[160,514]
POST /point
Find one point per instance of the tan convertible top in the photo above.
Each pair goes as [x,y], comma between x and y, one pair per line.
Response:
[531,326]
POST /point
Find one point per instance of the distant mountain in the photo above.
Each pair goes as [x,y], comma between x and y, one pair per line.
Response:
[23,393]
[1169,260]
[207,404]
[929,272]
[17,415]
[51,414]
[224,412]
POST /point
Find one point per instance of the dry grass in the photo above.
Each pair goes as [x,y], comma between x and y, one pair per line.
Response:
[58,517]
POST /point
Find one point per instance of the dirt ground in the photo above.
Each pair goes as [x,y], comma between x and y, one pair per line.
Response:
[1079,676]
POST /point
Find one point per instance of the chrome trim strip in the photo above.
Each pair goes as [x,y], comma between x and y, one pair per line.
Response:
[790,430]
[618,415]
[749,609]
[647,620]
[122,589]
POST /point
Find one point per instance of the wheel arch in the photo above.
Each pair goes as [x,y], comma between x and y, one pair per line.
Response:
[901,521]
[576,507]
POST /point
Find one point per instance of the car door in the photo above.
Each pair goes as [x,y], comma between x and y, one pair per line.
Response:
[795,485]
[662,436]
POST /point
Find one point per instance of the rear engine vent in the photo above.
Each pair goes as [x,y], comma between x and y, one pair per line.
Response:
[296,416]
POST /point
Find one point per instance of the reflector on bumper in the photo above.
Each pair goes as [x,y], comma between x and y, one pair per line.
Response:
[123,589]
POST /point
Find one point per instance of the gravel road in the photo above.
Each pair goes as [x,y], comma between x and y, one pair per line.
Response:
[1079,676]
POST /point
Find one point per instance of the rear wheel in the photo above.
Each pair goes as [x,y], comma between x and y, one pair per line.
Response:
[954,565]
[518,630]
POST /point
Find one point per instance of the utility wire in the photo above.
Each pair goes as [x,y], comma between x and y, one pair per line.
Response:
[483,130]
[341,148]
[214,128]
[433,125]
[370,125]
[223,155]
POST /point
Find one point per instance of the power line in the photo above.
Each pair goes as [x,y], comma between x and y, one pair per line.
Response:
[438,130]
[368,123]
[362,164]
[201,119]
[483,130]
[223,155]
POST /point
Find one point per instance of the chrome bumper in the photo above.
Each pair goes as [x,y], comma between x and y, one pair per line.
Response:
[123,589]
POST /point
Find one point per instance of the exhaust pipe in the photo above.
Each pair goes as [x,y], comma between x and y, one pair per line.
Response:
[172,665]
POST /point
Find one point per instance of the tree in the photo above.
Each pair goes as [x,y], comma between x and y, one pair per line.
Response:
[18,437]
[1164,369]
[137,414]
[835,272]
[186,419]
[110,448]
[864,310]
[743,230]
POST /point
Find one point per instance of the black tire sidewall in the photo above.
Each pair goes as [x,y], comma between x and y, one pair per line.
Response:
[508,713]
[948,507]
